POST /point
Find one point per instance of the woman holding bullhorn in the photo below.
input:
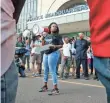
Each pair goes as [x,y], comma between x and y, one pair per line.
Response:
[51,57]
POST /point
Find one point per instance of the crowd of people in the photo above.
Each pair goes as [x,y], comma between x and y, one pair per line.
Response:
[100,41]
[75,54]
[70,55]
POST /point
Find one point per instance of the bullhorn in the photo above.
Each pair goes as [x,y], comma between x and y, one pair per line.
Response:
[39,30]
[26,33]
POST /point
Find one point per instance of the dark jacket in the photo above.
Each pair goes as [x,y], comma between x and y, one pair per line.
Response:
[81,47]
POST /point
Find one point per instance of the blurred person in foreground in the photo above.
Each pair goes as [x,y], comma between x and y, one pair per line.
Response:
[10,12]
[100,40]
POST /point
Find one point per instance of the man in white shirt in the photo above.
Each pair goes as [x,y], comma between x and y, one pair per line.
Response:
[66,58]
[36,56]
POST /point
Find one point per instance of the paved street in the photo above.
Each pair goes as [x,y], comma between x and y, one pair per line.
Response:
[71,91]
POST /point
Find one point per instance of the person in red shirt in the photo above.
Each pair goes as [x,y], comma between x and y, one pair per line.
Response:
[100,39]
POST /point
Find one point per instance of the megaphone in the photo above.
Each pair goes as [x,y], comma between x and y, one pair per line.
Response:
[26,33]
[37,30]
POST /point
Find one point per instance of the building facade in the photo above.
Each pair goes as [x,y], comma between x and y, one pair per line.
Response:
[50,6]
[71,15]
[29,11]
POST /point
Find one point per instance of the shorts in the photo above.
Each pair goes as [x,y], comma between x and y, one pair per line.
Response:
[36,58]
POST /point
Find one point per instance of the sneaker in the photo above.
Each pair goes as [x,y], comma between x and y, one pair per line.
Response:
[91,73]
[66,75]
[73,74]
[86,78]
[57,73]
[37,75]
[76,77]
[63,78]
[33,74]
[44,89]
[95,78]
[54,92]
[23,76]
[82,74]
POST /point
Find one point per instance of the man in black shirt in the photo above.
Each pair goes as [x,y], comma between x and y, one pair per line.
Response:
[81,46]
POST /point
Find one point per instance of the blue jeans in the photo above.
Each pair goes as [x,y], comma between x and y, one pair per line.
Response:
[50,63]
[9,83]
[91,65]
[65,63]
[102,66]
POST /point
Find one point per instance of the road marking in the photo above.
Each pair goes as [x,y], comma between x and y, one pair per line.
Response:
[77,83]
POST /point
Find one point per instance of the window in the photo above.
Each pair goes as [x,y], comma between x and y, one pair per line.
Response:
[25,7]
[35,14]
[31,9]
[35,5]
[29,6]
